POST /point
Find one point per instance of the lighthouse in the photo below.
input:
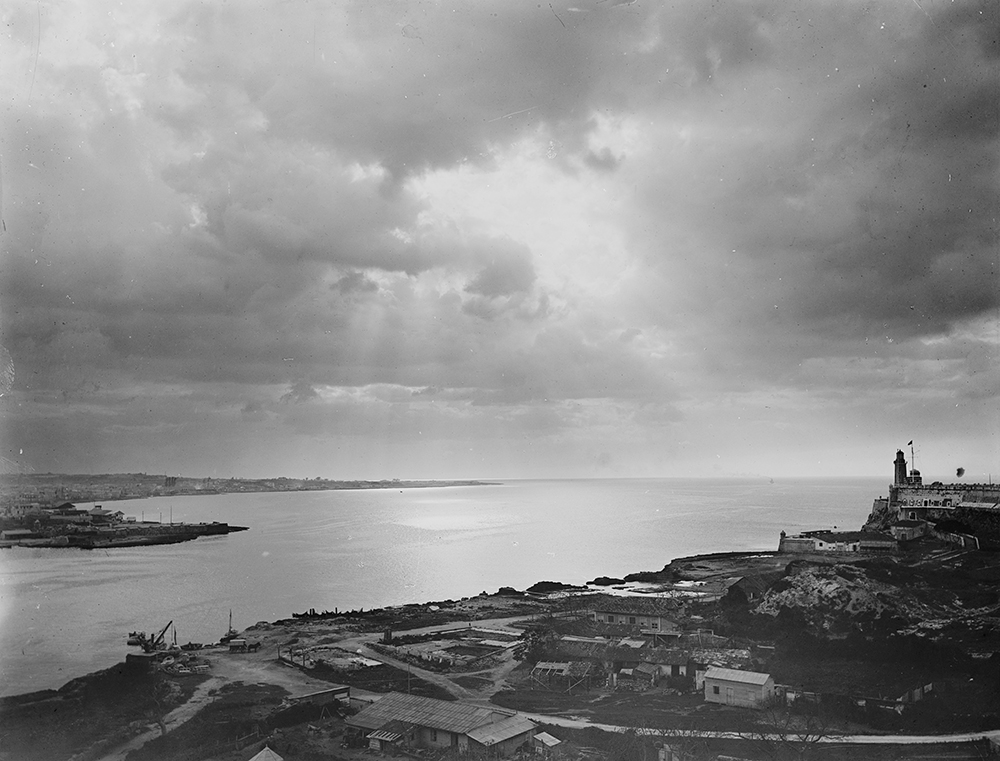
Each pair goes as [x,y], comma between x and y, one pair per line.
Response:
[900,468]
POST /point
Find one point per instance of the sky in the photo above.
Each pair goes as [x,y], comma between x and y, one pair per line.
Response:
[500,239]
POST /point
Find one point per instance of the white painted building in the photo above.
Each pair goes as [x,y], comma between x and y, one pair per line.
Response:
[737,688]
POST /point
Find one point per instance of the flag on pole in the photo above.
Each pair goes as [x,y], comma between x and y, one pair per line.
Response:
[910,443]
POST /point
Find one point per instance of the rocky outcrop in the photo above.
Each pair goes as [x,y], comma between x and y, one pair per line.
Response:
[985,524]
[881,517]
[837,599]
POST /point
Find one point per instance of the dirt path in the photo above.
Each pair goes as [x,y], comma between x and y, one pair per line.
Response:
[226,669]
[200,697]
[442,681]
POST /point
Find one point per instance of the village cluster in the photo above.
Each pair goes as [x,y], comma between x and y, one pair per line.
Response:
[638,644]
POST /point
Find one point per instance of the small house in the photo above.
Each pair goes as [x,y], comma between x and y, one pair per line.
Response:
[743,589]
[100,515]
[838,541]
[906,530]
[670,662]
[734,687]
[644,615]
[502,738]
[875,541]
[18,534]
[545,744]
[411,721]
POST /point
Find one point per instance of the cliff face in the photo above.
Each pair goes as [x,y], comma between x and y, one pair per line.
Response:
[880,517]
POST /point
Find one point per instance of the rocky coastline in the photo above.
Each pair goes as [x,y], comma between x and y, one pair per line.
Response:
[827,622]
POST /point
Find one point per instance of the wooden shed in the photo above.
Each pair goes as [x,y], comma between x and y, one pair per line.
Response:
[737,688]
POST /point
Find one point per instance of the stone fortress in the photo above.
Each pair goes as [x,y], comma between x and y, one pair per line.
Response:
[966,514]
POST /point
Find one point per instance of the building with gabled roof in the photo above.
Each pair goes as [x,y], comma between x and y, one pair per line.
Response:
[414,721]
[735,687]
[546,744]
[502,738]
[670,661]
[646,615]
[266,754]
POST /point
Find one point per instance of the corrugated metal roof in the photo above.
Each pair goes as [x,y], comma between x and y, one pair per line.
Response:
[391,732]
[382,734]
[499,731]
[735,675]
[425,712]
[561,666]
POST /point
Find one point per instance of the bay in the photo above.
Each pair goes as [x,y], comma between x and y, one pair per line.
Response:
[67,612]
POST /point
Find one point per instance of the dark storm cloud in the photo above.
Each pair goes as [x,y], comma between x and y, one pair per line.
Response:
[442,98]
[226,207]
[853,192]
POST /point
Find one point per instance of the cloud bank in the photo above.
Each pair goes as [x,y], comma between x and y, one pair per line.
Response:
[417,240]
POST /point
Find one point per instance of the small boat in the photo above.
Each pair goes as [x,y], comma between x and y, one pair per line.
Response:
[137,638]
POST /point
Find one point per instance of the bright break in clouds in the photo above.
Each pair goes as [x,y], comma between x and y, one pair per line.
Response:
[427,239]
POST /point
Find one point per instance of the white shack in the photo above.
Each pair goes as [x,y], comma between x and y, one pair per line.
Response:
[733,687]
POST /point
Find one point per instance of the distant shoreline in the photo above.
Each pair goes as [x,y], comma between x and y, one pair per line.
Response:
[51,489]
[335,486]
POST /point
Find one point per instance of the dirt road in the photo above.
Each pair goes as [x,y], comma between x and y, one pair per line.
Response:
[183,712]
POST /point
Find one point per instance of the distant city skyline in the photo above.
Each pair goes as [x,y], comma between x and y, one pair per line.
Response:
[500,240]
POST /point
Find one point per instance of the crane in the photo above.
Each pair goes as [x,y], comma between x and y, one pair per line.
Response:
[156,642]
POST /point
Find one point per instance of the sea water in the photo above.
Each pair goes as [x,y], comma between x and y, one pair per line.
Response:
[67,612]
